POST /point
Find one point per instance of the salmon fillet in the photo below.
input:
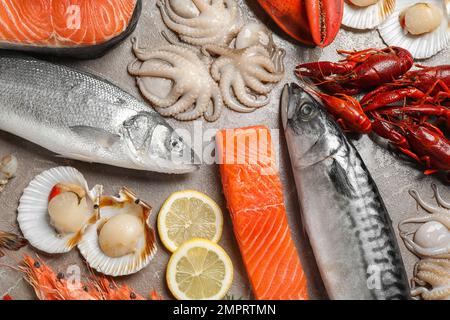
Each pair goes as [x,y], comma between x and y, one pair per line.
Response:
[255,200]
[63,23]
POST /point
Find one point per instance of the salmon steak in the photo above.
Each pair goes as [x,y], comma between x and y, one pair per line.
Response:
[76,28]
[255,200]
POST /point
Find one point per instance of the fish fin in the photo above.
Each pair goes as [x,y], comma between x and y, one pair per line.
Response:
[102,137]
[341,182]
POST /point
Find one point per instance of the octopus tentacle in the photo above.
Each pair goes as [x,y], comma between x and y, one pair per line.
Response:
[264,63]
[151,70]
[217,66]
[238,86]
[257,50]
[217,22]
[138,51]
[190,22]
[219,50]
[216,105]
[433,277]
[200,41]
[181,54]
[441,202]
[263,75]
[185,29]
[189,97]
[278,60]
[195,111]
[181,105]
[420,202]
[161,102]
[173,96]
[163,54]
[225,88]
[256,85]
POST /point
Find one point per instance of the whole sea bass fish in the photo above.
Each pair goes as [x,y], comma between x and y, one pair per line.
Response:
[346,220]
[83,117]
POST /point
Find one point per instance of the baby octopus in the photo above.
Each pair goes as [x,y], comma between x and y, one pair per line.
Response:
[192,92]
[252,68]
[432,279]
[432,237]
[431,242]
[201,22]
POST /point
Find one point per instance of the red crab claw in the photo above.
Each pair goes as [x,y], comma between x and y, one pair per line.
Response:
[312,22]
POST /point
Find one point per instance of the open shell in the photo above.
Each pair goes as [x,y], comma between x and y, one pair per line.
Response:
[33,217]
[367,17]
[420,46]
[125,265]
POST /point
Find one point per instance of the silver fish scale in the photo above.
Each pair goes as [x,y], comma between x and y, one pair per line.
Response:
[371,225]
[83,117]
[348,226]
[76,99]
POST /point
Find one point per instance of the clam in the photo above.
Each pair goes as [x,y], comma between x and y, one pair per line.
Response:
[56,208]
[366,14]
[121,242]
[421,28]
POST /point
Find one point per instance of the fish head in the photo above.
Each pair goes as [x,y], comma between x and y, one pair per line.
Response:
[311,134]
[155,146]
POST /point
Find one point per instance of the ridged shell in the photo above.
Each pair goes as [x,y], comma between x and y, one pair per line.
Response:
[33,217]
[367,17]
[423,46]
[129,264]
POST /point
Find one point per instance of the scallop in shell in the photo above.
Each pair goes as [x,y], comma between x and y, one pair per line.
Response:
[366,14]
[35,220]
[421,46]
[121,242]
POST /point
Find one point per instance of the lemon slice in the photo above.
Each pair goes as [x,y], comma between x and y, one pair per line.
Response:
[199,270]
[186,215]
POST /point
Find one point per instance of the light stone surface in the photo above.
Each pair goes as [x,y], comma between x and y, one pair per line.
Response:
[393,175]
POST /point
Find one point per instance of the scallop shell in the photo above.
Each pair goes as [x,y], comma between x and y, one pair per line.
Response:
[33,217]
[131,263]
[367,17]
[422,46]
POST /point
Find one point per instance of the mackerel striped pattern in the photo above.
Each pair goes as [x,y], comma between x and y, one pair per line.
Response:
[371,225]
[349,228]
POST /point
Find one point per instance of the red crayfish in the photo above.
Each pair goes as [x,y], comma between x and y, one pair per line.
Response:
[423,142]
[359,70]
[406,107]
[312,22]
[346,110]
[423,93]
[429,84]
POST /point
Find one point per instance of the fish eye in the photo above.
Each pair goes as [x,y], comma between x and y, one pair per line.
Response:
[306,111]
[176,144]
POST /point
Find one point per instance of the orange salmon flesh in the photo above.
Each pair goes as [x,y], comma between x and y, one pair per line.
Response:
[63,23]
[255,200]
